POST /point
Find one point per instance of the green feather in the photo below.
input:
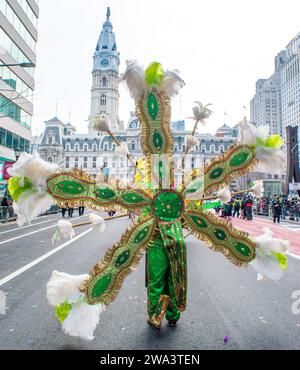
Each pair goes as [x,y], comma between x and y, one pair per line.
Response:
[62,311]
[154,74]
[282,260]
[16,190]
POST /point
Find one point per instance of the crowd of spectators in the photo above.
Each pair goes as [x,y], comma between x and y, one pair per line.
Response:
[278,207]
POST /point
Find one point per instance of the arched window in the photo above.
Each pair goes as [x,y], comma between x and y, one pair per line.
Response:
[222,148]
[212,148]
[104,81]
[203,148]
[68,147]
[50,160]
[77,148]
[103,100]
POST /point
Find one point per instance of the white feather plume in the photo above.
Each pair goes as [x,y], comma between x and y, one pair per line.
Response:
[34,168]
[172,83]
[265,263]
[190,142]
[248,133]
[201,112]
[122,149]
[224,195]
[134,77]
[83,320]
[64,229]
[270,160]
[101,123]
[98,222]
[61,286]
[258,189]
[30,205]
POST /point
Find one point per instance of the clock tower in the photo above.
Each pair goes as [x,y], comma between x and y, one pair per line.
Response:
[105,92]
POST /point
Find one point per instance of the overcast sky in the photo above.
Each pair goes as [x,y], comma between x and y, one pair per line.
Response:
[220,47]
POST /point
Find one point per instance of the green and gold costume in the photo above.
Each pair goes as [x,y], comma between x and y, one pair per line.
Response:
[166,212]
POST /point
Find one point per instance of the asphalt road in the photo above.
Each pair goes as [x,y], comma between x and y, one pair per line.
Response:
[223,300]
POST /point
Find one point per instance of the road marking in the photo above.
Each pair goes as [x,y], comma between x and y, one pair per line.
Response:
[293,255]
[34,232]
[25,227]
[38,223]
[42,258]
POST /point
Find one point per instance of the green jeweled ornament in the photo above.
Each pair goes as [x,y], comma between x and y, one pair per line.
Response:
[216,173]
[152,105]
[105,193]
[70,187]
[243,249]
[101,285]
[238,159]
[168,206]
[123,258]
[157,140]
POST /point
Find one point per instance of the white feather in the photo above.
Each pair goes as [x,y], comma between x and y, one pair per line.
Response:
[65,229]
[270,160]
[134,77]
[83,320]
[190,142]
[30,205]
[248,133]
[122,149]
[201,112]
[224,195]
[61,286]
[98,222]
[172,83]
[265,262]
[101,123]
[258,190]
[34,168]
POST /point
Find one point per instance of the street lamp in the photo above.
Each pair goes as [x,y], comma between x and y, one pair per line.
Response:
[24,64]
[17,153]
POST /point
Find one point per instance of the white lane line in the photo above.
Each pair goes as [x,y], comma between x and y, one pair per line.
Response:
[26,227]
[42,258]
[293,255]
[34,232]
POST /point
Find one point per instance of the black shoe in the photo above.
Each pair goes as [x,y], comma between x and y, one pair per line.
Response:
[172,323]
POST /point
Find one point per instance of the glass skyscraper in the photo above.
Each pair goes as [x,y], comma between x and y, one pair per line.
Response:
[18,38]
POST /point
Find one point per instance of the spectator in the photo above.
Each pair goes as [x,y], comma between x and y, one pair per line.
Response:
[81,211]
[248,208]
[236,208]
[276,206]
[4,205]
[70,211]
[63,212]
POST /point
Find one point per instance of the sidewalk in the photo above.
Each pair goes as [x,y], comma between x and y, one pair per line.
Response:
[281,231]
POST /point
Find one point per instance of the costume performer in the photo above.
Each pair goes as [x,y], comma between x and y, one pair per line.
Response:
[166,211]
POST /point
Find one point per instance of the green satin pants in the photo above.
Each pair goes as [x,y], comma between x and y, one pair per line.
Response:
[160,287]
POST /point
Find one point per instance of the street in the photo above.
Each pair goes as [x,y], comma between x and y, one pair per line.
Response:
[223,300]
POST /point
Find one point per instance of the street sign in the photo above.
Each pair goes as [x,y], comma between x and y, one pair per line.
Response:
[294,186]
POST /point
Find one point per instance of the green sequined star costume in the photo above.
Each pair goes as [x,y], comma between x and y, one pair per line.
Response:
[165,213]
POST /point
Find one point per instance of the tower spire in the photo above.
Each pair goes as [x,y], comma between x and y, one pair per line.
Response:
[108,13]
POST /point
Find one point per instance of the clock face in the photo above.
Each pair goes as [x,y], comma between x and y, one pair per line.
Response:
[104,62]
